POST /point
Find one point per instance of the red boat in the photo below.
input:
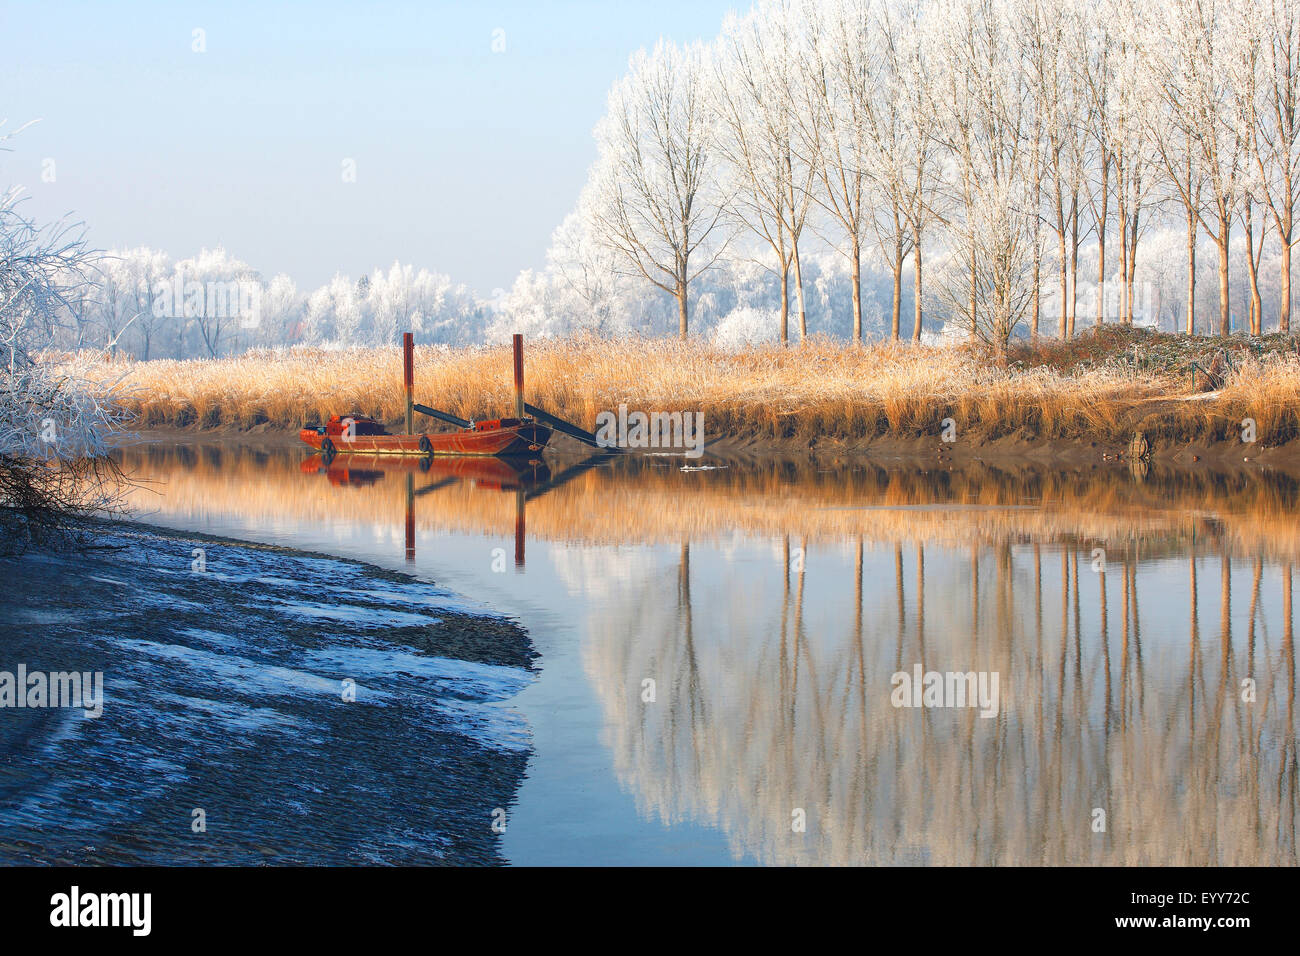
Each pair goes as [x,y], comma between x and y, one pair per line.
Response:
[500,437]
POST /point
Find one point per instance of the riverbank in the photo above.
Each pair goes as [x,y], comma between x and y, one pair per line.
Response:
[1101,387]
[307,709]
[1008,452]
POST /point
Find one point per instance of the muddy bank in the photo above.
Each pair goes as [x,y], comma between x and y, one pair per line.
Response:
[315,710]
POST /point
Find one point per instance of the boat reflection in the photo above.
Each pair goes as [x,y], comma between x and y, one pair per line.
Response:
[492,474]
[498,474]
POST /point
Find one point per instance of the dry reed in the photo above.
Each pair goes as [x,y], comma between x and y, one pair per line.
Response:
[820,389]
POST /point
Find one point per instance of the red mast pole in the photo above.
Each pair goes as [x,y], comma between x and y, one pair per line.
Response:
[519,375]
[408,378]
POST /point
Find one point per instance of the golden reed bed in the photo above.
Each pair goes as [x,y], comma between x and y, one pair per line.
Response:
[821,388]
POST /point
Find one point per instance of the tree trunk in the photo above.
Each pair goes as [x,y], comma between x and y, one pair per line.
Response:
[1038,242]
[898,291]
[798,289]
[974,311]
[1065,288]
[1000,351]
[681,308]
[857,290]
[1074,267]
[1284,308]
[1125,317]
[1101,244]
[1225,307]
[916,327]
[1191,271]
[1131,274]
[1038,270]
[785,305]
[1252,268]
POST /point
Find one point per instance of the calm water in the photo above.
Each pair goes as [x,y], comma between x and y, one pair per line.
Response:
[717,647]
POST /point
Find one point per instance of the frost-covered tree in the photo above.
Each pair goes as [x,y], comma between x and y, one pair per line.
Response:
[1126,137]
[281,312]
[586,271]
[146,269]
[1194,50]
[213,291]
[657,199]
[394,301]
[988,109]
[769,178]
[836,83]
[1274,127]
[1019,156]
[1051,41]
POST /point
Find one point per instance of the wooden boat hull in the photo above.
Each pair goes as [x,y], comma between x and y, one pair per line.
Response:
[512,437]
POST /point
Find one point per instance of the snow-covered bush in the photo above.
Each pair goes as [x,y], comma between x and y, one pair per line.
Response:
[747,326]
[55,428]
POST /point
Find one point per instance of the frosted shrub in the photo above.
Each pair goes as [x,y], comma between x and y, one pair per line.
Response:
[747,326]
[55,426]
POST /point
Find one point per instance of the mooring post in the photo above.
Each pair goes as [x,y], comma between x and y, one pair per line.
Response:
[519,375]
[408,378]
[520,533]
[410,517]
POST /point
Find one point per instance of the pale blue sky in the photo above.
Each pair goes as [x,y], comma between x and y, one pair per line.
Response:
[466,159]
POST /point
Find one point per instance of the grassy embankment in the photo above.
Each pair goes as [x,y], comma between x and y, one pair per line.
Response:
[1100,387]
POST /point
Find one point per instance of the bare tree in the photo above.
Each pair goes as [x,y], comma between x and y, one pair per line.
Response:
[1275,129]
[1098,84]
[1174,140]
[988,114]
[1128,140]
[1049,32]
[1243,82]
[889,146]
[771,179]
[657,202]
[1194,54]
[922,167]
[836,85]
[146,268]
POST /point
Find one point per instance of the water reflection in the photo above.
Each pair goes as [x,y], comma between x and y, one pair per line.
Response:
[770,604]
[779,704]
[493,474]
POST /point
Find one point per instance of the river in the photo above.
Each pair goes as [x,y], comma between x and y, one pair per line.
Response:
[721,650]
